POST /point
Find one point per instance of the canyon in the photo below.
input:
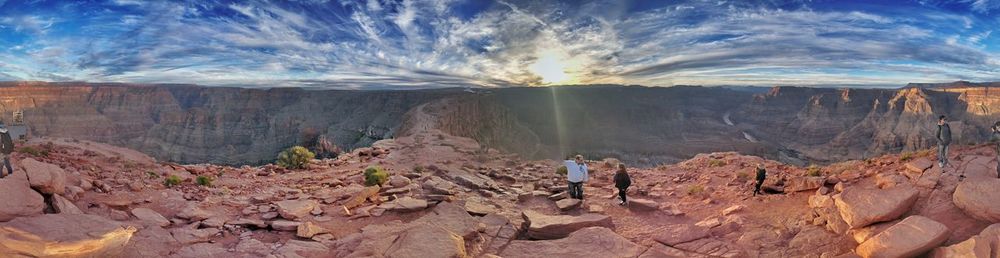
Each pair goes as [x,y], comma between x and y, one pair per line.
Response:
[644,126]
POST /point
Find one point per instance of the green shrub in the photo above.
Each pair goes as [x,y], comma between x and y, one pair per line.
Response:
[562,170]
[171,181]
[695,189]
[907,156]
[295,157]
[716,163]
[418,169]
[375,175]
[204,181]
[33,151]
[813,170]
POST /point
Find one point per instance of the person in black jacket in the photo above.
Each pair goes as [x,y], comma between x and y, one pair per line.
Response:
[6,148]
[943,139]
[622,182]
[761,176]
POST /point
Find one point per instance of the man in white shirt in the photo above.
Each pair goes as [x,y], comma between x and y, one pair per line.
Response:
[576,174]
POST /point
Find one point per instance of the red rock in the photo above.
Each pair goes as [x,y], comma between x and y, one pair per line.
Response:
[591,241]
[45,177]
[56,234]
[541,226]
[979,198]
[911,237]
[862,207]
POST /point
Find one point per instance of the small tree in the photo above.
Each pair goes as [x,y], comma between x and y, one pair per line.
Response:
[295,157]
[375,175]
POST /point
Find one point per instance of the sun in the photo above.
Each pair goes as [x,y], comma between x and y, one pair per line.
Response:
[550,68]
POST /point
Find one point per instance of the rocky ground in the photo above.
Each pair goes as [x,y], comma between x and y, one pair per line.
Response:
[447,197]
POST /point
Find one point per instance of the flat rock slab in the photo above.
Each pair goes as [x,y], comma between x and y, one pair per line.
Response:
[427,240]
[917,167]
[568,204]
[295,209]
[63,235]
[636,204]
[405,204]
[911,237]
[681,233]
[150,216]
[541,226]
[979,198]
[806,183]
[589,242]
[862,207]
[986,244]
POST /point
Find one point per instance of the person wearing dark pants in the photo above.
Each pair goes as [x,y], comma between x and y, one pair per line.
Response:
[576,177]
[943,139]
[6,148]
[761,175]
[622,182]
[995,139]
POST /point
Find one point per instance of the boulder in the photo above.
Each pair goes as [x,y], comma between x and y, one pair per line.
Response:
[984,245]
[541,226]
[150,216]
[590,241]
[405,204]
[63,235]
[398,181]
[194,212]
[888,180]
[62,205]
[568,204]
[309,229]
[861,235]
[805,183]
[979,198]
[478,208]
[45,177]
[285,225]
[295,209]
[917,167]
[637,204]
[862,207]
[426,240]
[681,233]
[17,199]
[361,196]
[911,237]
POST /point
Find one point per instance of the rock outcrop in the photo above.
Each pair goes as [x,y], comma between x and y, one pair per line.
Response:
[17,199]
[978,198]
[986,244]
[44,177]
[863,207]
[541,226]
[911,237]
[591,241]
[64,235]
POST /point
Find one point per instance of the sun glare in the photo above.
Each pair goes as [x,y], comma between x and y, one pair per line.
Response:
[550,68]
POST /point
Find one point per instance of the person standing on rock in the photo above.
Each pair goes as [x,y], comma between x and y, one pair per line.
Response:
[622,182]
[6,148]
[943,139]
[995,139]
[761,175]
[576,174]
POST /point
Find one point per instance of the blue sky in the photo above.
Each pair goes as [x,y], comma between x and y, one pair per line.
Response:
[376,44]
